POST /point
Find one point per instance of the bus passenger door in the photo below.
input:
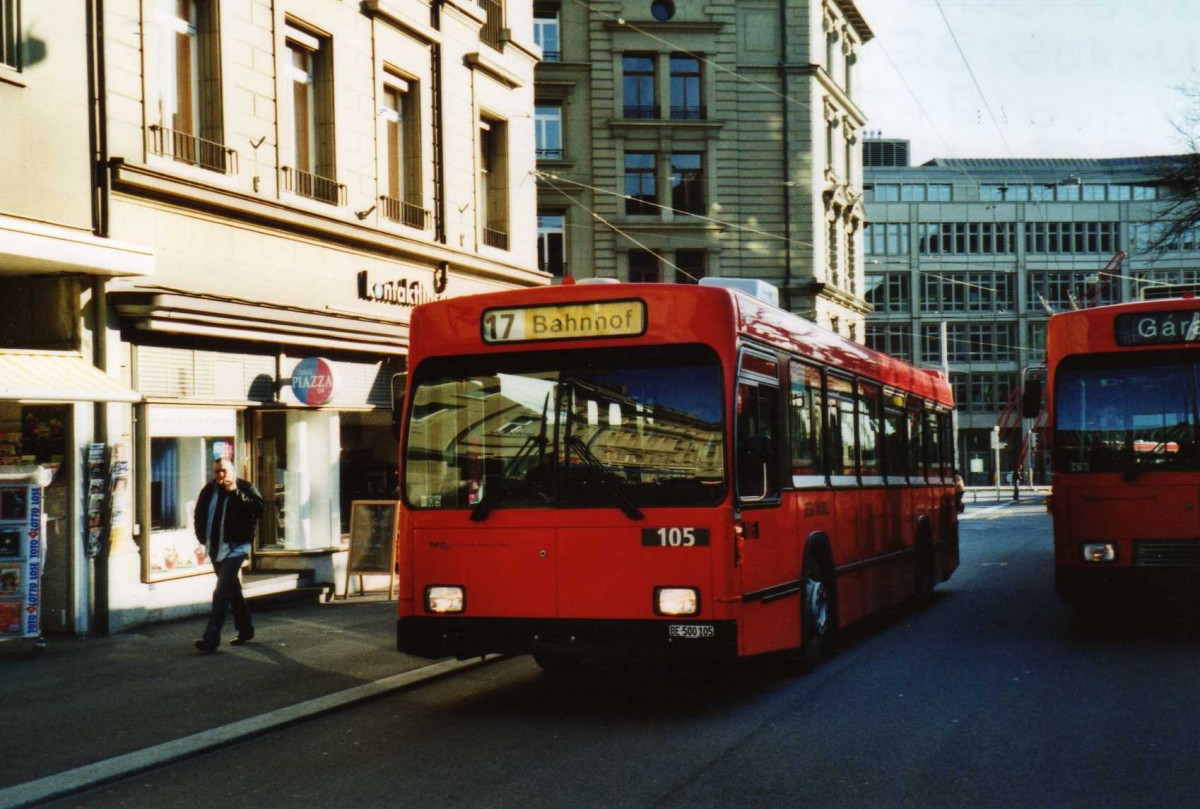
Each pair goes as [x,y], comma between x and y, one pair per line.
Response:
[769,567]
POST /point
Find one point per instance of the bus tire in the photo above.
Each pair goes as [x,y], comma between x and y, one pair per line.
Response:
[816,611]
[925,576]
[558,663]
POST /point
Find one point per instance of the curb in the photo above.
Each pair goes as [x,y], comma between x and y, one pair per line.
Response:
[70,782]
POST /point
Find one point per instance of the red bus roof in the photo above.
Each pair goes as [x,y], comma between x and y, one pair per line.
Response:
[1136,326]
[674,314]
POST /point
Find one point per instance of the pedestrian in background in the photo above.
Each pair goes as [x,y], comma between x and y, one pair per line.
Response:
[227,513]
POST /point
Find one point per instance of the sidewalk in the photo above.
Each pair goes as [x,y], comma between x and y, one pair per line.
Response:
[112,704]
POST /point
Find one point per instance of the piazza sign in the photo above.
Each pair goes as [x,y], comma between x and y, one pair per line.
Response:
[312,381]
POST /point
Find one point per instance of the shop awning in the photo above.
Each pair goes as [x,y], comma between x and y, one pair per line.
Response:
[57,377]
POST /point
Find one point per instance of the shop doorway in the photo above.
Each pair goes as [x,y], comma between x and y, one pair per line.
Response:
[270,475]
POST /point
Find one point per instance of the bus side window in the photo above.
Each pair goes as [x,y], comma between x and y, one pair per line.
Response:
[868,430]
[758,437]
[933,460]
[895,457]
[804,416]
[843,450]
[916,449]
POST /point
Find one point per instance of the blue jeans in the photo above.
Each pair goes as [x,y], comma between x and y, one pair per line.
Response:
[228,593]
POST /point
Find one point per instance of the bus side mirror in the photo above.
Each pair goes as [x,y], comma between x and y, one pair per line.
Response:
[1031,399]
[399,381]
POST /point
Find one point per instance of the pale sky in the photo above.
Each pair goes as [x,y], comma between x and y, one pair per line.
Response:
[1063,78]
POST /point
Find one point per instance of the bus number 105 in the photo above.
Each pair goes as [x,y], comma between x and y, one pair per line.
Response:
[675,537]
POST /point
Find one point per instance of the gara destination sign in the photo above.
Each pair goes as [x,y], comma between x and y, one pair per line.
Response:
[1164,327]
[577,321]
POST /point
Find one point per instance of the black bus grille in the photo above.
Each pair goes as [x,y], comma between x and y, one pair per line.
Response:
[1149,553]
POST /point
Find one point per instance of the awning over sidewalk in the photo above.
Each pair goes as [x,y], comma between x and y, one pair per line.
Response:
[53,377]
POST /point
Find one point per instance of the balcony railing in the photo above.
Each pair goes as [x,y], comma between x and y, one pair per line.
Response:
[404,213]
[688,113]
[551,56]
[192,150]
[490,33]
[313,186]
[495,238]
[641,111]
[549,154]
[556,268]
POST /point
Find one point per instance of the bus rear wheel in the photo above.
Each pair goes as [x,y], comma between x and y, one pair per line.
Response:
[816,614]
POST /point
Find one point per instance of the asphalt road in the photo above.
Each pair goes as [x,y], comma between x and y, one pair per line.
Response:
[993,696]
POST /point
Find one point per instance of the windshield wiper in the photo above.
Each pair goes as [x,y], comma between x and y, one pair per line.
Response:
[607,477]
[487,502]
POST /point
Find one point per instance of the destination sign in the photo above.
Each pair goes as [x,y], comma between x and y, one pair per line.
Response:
[1158,328]
[577,321]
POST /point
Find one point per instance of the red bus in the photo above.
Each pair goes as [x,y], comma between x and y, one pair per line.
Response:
[1123,382]
[642,469]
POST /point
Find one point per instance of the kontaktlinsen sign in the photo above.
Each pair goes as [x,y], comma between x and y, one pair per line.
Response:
[1165,327]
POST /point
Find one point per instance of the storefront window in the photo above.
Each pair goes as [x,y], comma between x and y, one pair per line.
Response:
[184,441]
[369,467]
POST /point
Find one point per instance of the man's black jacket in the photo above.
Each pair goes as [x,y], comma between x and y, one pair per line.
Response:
[244,507]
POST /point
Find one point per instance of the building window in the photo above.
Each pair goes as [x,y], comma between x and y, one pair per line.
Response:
[970,342]
[643,267]
[641,196]
[833,248]
[967,292]
[552,251]
[492,32]
[190,106]
[887,192]
[1071,237]
[548,131]
[662,10]
[546,35]
[10,34]
[886,239]
[1067,290]
[687,182]
[982,392]
[638,86]
[404,198]
[687,103]
[493,182]
[310,73]
[966,238]
[690,266]
[889,292]
[894,339]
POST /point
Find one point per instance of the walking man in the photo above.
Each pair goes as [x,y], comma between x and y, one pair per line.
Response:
[227,513]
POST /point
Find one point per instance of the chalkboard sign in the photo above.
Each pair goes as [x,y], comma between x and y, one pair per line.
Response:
[373,525]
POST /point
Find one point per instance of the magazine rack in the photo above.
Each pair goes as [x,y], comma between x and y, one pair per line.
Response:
[22,552]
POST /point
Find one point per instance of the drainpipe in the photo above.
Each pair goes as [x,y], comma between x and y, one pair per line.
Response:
[787,155]
[439,145]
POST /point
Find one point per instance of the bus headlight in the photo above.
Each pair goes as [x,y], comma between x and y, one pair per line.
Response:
[676,600]
[1099,552]
[445,598]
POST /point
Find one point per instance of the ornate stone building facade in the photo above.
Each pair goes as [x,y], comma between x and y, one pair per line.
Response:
[678,140]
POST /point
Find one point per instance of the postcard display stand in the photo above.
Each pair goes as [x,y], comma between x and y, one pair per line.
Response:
[22,552]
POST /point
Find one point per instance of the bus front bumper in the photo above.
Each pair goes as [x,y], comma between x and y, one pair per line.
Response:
[464,638]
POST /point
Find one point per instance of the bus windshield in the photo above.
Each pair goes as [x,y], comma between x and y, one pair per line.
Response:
[1125,415]
[567,429]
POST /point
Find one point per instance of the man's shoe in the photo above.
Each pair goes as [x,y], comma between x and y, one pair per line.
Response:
[206,646]
[242,638]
